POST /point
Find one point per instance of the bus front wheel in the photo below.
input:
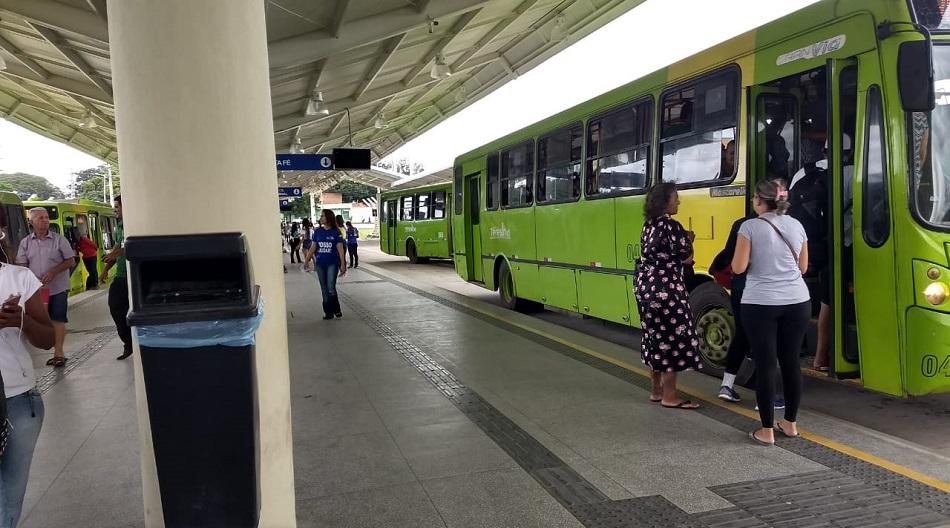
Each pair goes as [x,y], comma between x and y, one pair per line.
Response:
[412,253]
[716,330]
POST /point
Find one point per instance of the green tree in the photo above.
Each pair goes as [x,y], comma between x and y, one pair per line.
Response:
[27,185]
[352,191]
[91,183]
[300,207]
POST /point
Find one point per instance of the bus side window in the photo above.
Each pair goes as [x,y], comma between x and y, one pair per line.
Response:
[698,122]
[875,214]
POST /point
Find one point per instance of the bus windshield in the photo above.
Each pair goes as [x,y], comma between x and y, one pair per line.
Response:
[931,149]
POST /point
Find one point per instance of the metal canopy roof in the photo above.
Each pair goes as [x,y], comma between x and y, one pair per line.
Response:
[371,57]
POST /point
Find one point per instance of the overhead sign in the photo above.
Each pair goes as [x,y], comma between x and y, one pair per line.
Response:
[284,204]
[304,162]
[289,192]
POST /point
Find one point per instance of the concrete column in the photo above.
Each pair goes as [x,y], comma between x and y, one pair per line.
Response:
[196,147]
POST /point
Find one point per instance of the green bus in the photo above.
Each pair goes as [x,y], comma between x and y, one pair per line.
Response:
[17,226]
[415,222]
[77,218]
[551,214]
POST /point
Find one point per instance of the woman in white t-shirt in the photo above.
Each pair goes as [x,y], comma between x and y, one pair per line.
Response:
[772,250]
[22,317]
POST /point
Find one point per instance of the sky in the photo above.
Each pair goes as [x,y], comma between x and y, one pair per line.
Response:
[645,39]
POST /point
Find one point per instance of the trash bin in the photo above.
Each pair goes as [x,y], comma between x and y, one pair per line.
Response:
[195,312]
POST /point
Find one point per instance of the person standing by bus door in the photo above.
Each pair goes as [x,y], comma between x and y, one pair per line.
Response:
[352,240]
[50,257]
[119,290]
[90,253]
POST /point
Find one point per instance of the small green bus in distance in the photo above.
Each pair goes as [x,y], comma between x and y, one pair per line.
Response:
[77,218]
[415,222]
[551,215]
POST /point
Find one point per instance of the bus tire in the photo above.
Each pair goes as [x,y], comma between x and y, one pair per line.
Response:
[412,253]
[509,294]
[715,329]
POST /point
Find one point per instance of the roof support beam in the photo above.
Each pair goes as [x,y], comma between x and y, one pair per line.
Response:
[99,6]
[443,42]
[338,17]
[58,16]
[319,44]
[92,109]
[24,59]
[422,5]
[39,95]
[63,84]
[384,57]
[287,122]
[495,31]
[74,58]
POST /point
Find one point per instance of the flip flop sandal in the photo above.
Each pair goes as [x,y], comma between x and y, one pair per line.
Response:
[778,428]
[685,404]
[658,400]
[759,441]
[56,362]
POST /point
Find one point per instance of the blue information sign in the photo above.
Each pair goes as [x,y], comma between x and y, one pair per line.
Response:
[304,162]
[289,192]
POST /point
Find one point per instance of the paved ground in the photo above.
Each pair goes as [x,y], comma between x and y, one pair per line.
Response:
[422,407]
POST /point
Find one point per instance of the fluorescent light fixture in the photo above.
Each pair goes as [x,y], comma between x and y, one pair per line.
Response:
[381,122]
[559,31]
[316,106]
[440,70]
[87,121]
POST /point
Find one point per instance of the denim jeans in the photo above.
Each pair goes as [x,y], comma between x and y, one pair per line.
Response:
[25,412]
[327,277]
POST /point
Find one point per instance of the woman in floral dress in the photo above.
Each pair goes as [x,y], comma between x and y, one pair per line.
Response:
[669,343]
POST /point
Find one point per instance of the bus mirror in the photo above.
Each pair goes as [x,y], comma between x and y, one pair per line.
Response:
[915,76]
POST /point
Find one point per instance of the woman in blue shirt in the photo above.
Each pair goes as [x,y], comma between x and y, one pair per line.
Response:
[328,247]
[352,240]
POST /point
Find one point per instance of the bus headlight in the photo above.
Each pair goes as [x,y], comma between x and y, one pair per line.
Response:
[936,293]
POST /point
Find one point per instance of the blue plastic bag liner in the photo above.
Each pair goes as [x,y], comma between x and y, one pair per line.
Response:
[225,332]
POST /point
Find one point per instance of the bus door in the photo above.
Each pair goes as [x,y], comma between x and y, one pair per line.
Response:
[842,93]
[473,238]
[874,247]
[391,213]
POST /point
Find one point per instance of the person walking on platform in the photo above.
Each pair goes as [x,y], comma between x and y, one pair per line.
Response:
[669,343]
[307,236]
[772,250]
[22,318]
[119,290]
[50,257]
[328,245]
[90,255]
[341,225]
[352,240]
[294,240]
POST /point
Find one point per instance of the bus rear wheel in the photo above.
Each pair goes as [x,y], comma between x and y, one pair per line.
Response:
[411,252]
[509,295]
[716,329]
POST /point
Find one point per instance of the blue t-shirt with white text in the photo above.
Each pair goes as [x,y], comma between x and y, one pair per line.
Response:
[352,234]
[326,240]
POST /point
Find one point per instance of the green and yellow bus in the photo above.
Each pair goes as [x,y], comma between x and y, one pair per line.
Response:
[415,222]
[551,214]
[77,218]
[17,227]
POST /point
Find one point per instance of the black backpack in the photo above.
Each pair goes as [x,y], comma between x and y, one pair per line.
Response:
[808,201]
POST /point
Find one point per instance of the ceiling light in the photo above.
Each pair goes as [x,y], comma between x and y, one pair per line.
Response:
[87,121]
[461,94]
[381,122]
[316,106]
[559,31]
[296,148]
[440,70]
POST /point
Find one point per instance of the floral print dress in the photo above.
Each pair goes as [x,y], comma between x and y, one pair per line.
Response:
[669,341]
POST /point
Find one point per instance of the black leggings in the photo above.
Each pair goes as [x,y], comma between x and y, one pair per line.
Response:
[295,252]
[354,256]
[739,348]
[777,332]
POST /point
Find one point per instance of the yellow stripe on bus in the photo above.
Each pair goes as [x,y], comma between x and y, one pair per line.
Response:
[821,440]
